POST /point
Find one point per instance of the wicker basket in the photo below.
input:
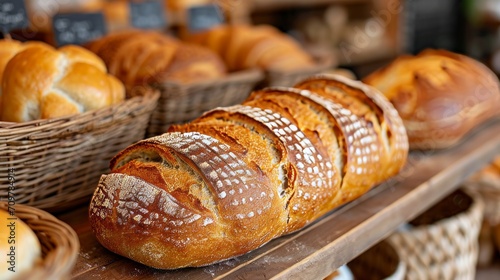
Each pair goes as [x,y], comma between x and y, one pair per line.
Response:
[55,164]
[183,103]
[487,184]
[442,243]
[324,62]
[379,262]
[59,242]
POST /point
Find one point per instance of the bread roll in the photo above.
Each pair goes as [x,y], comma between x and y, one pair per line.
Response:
[147,57]
[19,247]
[9,48]
[41,82]
[263,46]
[237,177]
[440,95]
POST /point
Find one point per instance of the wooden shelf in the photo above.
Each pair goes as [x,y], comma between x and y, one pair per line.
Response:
[325,245]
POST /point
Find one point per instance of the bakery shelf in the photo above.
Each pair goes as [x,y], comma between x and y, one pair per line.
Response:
[332,241]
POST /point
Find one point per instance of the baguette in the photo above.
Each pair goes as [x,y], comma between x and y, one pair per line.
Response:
[238,177]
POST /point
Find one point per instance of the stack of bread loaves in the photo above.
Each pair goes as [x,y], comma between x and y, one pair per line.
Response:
[39,82]
[145,57]
[237,177]
[440,95]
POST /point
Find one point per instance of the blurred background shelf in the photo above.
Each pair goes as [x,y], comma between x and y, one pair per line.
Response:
[266,5]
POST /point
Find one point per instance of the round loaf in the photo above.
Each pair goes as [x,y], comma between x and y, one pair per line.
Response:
[440,95]
[41,82]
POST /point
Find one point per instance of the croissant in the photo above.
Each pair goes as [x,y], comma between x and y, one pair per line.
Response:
[237,177]
[139,57]
[263,46]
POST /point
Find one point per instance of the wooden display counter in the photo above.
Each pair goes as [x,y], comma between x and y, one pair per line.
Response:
[332,241]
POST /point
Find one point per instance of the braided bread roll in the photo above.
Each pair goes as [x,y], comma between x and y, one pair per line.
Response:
[40,82]
[237,177]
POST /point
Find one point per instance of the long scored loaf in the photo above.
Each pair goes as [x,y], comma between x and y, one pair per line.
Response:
[237,177]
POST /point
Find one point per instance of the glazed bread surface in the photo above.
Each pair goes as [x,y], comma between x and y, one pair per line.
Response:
[440,95]
[40,82]
[238,177]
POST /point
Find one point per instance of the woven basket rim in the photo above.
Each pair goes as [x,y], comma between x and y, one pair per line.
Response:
[60,260]
[247,75]
[477,204]
[149,94]
[388,249]
[447,247]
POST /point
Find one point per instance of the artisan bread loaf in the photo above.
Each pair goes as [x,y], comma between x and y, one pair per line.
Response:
[40,82]
[245,46]
[140,57]
[439,94]
[237,177]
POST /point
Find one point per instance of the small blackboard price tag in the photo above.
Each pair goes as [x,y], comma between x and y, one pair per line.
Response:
[204,17]
[78,28]
[12,15]
[147,15]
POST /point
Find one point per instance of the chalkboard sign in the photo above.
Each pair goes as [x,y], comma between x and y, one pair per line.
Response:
[147,15]
[78,28]
[12,15]
[204,17]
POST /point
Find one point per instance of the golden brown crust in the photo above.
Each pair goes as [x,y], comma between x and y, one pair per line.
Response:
[252,172]
[8,49]
[192,63]
[263,46]
[440,95]
[195,215]
[27,250]
[371,107]
[148,57]
[42,82]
